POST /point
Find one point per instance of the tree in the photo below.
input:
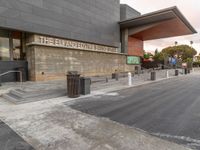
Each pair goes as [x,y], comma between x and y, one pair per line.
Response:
[184,52]
[159,56]
[176,43]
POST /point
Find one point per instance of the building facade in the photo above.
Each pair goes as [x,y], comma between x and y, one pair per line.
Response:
[49,38]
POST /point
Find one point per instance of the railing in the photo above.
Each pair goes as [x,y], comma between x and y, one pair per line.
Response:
[13,71]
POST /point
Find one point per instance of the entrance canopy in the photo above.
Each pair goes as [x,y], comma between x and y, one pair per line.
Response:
[160,24]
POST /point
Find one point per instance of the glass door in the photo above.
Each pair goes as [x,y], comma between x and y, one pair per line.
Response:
[4,46]
[4,49]
[11,46]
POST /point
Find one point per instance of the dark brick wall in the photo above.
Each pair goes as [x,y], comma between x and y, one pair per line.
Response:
[85,20]
[127,12]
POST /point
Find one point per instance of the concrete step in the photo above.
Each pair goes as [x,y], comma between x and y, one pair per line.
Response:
[19,97]
[12,98]
[29,94]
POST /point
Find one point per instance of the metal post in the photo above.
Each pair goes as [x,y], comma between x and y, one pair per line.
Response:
[106,79]
[21,79]
[129,79]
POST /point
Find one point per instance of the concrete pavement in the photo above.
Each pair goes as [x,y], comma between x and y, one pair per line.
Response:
[52,125]
[58,127]
[168,109]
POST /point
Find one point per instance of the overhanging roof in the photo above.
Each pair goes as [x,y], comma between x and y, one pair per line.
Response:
[164,23]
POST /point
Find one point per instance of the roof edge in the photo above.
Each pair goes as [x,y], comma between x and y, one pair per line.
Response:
[174,9]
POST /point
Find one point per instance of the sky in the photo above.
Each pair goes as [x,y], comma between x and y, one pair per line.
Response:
[189,8]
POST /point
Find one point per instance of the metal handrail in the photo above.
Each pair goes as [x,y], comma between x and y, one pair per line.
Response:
[13,71]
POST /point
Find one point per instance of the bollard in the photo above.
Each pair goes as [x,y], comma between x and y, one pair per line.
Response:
[176,72]
[129,79]
[167,74]
[106,79]
[153,75]
[186,71]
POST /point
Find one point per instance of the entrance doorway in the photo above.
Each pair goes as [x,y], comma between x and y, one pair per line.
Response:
[12,55]
[11,45]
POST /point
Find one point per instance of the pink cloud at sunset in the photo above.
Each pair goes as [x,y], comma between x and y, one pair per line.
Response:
[189,8]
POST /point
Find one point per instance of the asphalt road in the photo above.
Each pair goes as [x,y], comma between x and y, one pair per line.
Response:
[10,140]
[168,109]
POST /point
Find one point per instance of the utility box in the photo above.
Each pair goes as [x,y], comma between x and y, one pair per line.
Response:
[115,76]
[85,85]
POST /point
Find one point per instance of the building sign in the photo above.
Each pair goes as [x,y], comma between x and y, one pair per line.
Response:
[133,60]
[70,44]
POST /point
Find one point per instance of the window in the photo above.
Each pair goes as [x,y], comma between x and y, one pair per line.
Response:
[10,45]
[4,46]
[16,49]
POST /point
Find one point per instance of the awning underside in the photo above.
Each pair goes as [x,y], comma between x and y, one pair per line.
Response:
[162,24]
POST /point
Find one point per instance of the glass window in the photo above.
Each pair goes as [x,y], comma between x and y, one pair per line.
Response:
[16,49]
[10,45]
[4,49]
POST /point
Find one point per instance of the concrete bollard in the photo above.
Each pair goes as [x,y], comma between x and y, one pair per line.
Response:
[129,79]
[167,74]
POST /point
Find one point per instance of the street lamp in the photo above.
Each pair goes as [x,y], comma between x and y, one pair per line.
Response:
[191,43]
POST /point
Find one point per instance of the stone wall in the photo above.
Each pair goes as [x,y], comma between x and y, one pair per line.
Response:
[51,63]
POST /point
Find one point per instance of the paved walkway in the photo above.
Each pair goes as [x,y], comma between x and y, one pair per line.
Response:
[51,125]
[102,85]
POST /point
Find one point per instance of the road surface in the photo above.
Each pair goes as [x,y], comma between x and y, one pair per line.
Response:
[168,109]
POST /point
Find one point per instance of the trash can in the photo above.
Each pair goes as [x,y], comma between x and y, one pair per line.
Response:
[24,74]
[85,85]
[73,84]
[153,75]
[176,72]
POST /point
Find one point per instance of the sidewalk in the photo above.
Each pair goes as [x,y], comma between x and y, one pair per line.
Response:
[51,125]
[61,84]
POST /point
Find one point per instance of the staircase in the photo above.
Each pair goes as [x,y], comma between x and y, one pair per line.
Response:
[19,96]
